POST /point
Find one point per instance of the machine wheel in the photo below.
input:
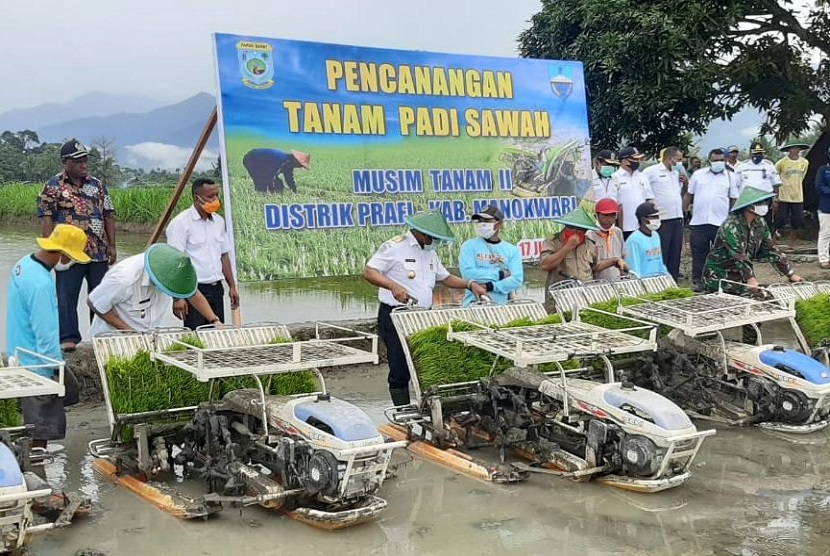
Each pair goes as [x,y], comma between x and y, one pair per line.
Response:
[792,406]
[322,473]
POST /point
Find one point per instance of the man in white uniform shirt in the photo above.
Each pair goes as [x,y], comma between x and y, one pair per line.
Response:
[604,167]
[405,269]
[665,180]
[712,192]
[199,232]
[135,294]
[758,172]
[633,189]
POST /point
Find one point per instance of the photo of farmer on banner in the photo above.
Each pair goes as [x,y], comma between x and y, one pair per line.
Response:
[265,166]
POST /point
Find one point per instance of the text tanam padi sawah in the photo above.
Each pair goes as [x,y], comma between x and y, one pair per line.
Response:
[429,81]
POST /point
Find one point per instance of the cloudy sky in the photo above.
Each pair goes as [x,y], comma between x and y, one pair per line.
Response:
[162,48]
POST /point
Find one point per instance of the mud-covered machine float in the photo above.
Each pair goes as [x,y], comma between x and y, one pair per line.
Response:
[20,488]
[562,421]
[318,458]
[703,366]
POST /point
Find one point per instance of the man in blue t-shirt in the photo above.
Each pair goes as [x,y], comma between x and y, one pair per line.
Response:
[489,260]
[645,257]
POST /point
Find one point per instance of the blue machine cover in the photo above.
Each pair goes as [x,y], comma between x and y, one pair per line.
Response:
[10,474]
[663,412]
[810,369]
[348,422]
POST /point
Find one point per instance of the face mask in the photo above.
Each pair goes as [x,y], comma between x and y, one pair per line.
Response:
[606,171]
[61,266]
[432,246]
[485,229]
[578,233]
[760,210]
[757,158]
[718,166]
[211,207]
[653,224]
[679,167]
[634,166]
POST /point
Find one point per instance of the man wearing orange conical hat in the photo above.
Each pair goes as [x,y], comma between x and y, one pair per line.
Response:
[269,167]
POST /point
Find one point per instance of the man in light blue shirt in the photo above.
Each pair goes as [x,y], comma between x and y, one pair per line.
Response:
[32,321]
[489,260]
[645,257]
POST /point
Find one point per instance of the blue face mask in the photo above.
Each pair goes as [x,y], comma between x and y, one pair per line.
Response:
[634,166]
[607,171]
[757,158]
[679,167]
[718,166]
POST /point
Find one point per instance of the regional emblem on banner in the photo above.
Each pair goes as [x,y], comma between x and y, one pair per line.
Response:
[256,63]
[561,81]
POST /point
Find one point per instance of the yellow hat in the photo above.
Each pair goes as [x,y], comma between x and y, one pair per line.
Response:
[69,240]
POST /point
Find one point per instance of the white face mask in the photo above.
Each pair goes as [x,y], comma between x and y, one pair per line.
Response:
[718,166]
[486,229]
[760,210]
[432,246]
[654,224]
[60,267]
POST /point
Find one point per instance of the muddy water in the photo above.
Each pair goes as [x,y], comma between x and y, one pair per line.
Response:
[296,300]
[752,493]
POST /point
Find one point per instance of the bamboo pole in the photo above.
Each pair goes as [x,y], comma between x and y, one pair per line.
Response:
[184,178]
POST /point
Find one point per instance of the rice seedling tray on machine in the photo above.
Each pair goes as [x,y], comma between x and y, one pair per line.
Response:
[555,343]
[709,313]
[232,358]
[17,381]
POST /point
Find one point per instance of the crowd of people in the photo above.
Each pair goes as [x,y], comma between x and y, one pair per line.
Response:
[636,225]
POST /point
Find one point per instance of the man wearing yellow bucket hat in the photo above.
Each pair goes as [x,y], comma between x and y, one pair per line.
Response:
[406,268]
[32,322]
[135,294]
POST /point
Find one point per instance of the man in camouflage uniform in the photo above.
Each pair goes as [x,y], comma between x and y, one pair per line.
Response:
[744,237]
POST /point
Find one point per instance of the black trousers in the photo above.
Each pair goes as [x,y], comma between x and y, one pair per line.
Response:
[398,371]
[702,238]
[215,295]
[671,244]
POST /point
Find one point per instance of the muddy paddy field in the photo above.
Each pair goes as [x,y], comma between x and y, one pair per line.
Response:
[752,492]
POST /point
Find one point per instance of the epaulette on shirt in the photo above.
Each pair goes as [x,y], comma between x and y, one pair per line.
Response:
[390,243]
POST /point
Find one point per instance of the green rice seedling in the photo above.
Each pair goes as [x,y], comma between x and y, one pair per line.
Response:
[813,317]
[10,415]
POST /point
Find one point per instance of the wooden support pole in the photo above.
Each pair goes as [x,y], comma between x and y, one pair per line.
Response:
[184,178]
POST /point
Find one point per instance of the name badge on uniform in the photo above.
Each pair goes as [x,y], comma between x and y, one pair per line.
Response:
[411,275]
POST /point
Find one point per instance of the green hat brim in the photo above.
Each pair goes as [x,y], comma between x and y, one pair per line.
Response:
[431,223]
[751,196]
[171,271]
[788,146]
[578,218]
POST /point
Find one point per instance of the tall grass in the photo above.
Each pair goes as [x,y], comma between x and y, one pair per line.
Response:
[141,205]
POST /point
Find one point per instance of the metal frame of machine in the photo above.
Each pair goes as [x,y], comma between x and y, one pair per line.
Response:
[247,351]
[706,317]
[16,498]
[530,346]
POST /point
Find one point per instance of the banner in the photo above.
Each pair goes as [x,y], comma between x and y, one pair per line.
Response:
[327,148]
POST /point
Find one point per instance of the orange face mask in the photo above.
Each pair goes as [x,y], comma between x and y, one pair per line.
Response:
[212,206]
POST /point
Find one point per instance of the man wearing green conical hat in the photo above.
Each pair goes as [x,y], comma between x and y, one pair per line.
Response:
[406,269]
[743,238]
[570,255]
[135,294]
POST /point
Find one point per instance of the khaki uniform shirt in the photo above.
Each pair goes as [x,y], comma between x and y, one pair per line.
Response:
[577,265]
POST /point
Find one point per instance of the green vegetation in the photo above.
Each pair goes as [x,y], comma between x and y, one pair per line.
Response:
[813,317]
[264,255]
[10,415]
[143,205]
[690,66]
[440,361]
[139,384]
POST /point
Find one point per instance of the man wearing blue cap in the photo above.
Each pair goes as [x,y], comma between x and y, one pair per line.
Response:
[406,269]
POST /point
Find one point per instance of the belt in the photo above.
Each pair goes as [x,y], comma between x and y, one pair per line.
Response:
[211,284]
